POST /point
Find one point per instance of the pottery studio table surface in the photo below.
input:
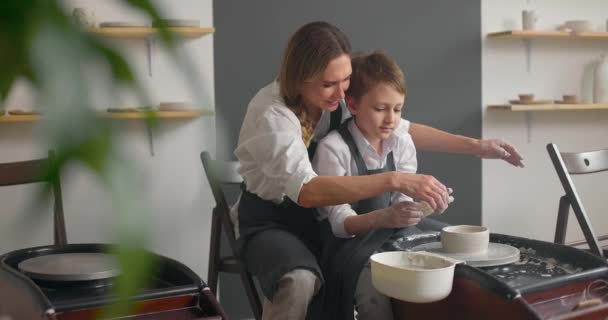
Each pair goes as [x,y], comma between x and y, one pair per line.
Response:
[549,281]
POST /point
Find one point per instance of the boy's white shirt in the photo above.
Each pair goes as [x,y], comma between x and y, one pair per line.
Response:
[333,158]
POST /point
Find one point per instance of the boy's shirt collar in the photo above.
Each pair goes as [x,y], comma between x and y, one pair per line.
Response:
[364,146]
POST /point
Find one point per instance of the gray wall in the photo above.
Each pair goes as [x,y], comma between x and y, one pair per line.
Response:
[436,42]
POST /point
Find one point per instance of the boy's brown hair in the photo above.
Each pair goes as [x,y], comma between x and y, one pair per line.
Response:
[372,69]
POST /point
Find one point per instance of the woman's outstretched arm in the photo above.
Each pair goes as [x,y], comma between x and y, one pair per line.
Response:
[331,190]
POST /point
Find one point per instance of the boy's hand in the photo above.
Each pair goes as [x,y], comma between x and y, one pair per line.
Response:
[498,149]
[399,215]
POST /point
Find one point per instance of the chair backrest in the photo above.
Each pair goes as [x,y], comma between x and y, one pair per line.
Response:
[39,170]
[220,173]
[574,163]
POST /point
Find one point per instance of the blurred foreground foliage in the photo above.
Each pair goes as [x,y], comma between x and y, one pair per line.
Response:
[40,42]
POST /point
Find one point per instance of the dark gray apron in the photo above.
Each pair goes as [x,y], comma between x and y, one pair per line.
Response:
[343,259]
[278,238]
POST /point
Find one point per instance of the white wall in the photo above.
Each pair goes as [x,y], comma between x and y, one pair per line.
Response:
[524,201]
[174,191]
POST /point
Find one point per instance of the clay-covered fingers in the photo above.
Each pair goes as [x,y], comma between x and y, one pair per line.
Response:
[406,214]
[407,207]
[401,214]
[426,208]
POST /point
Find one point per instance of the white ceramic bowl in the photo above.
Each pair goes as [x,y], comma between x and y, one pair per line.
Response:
[579,25]
[413,276]
[465,239]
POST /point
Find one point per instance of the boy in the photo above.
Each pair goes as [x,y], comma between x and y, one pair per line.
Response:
[376,140]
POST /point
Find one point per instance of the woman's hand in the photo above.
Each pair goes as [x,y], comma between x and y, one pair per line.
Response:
[422,187]
[426,208]
[399,215]
[498,149]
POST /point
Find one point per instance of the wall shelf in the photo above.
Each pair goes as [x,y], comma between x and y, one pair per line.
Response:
[145,32]
[537,34]
[526,108]
[119,115]
[158,114]
[528,35]
[149,35]
[549,107]
[20,118]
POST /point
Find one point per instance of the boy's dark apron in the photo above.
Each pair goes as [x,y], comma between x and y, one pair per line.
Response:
[343,258]
[290,237]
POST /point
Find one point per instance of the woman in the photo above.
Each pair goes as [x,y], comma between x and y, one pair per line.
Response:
[279,232]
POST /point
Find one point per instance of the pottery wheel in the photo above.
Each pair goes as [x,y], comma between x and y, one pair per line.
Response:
[496,255]
[71,267]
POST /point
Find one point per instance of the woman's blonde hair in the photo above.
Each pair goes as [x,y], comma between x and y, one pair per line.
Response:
[372,69]
[308,52]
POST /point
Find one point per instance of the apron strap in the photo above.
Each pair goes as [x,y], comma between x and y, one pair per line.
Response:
[352,146]
[354,151]
[335,117]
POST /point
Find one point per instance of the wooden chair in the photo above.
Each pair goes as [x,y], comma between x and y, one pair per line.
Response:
[567,164]
[32,171]
[221,173]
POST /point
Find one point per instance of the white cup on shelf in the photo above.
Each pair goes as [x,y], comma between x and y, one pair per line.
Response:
[529,19]
[84,17]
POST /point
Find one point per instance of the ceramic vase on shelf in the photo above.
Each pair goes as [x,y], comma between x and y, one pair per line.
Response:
[587,81]
[600,80]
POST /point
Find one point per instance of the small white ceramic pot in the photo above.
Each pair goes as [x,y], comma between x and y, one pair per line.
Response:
[465,239]
[579,25]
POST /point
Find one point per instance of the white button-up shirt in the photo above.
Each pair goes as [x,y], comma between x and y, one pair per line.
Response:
[274,159]
[333,158]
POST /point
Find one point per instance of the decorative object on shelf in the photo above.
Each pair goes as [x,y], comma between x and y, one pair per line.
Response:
[531,102]
[84,17]
[578,25]
[528,98]
[587,79]
[529,19]
[600,80]
[20,112]
[119,110]
[568,99]
[146,109]
[175,106]
[564,29]
[122,24]
[181,23]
